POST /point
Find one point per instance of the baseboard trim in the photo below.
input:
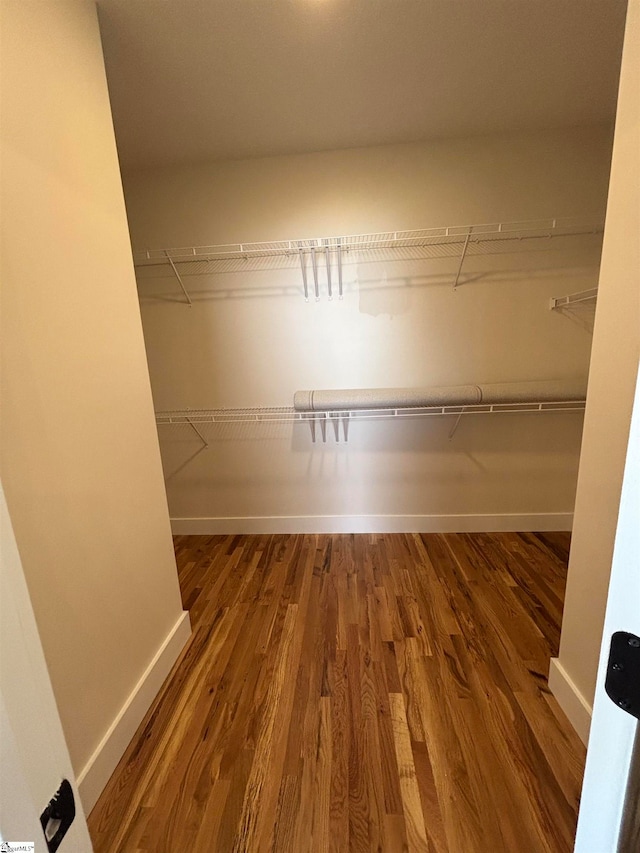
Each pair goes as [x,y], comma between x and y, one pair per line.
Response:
[97,771]
[570,699]
[508,522]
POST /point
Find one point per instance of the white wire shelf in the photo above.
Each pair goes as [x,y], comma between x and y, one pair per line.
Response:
[581,297]
[195,418]
[444,235]
[287,414]
[443,241]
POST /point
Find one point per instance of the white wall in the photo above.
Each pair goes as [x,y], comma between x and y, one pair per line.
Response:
[614,363]
[250,339]
[80,460]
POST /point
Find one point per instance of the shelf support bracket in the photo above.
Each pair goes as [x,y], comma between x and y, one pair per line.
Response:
[558,302]
[339,267]
[180,282]
[462,256]
[454,428]
[204,441]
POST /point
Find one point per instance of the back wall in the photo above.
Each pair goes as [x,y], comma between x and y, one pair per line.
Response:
[250,338]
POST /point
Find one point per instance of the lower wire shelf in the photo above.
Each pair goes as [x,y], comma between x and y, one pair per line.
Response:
[287,414]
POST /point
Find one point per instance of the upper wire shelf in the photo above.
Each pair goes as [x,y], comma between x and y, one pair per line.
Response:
[444,235]
[331,252]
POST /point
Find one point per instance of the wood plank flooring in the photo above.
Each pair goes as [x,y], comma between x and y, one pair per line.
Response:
[356,693]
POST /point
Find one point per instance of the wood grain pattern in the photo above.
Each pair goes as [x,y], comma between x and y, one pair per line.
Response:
[356,693]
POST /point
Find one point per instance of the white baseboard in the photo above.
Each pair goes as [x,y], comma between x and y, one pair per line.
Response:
[97,771]
[508,522]
[572,702]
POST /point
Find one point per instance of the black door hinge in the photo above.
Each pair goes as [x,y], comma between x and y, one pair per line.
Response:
[623,672]
[58,816]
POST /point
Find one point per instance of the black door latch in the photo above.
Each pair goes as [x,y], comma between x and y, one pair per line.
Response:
[623,672]
[58,816]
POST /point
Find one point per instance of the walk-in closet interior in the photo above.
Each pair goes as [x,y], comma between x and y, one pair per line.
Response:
[290,234]
[367,260]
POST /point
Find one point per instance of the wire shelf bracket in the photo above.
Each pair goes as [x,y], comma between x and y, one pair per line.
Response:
[204,441]
[455,426]
[180,282]
[462,257]
[582,296]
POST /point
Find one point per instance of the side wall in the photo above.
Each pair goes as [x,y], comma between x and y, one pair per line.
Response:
[614,365]
[251,340]
[80,461]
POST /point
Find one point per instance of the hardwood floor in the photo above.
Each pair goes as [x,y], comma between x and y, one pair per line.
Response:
[356,693]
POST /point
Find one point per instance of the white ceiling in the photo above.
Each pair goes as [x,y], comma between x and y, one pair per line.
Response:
[215,79]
